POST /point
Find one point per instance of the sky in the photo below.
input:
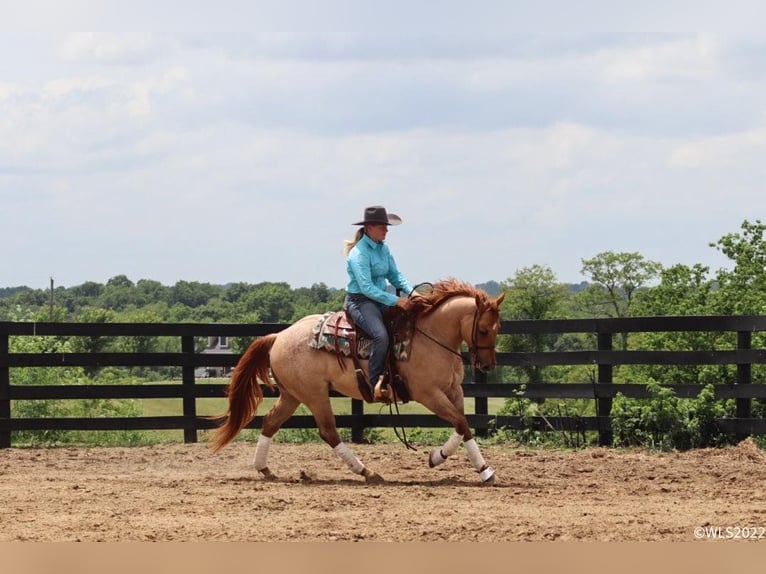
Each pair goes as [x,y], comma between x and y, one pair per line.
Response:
[246,150]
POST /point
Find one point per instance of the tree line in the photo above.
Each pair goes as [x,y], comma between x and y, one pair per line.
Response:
[618,284]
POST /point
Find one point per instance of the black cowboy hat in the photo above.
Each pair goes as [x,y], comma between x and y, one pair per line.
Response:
[376,215]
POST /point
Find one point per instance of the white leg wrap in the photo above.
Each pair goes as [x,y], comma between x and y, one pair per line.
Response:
[438,456]
[349,458]
[474,455]
[486,474]
[261,452]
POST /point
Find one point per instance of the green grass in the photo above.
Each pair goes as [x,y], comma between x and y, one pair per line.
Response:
[340,406]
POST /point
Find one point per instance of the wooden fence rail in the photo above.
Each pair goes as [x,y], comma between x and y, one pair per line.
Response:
[603,357]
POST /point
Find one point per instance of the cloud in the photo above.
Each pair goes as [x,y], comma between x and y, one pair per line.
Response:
[124,49]
[246,157]
[673,60]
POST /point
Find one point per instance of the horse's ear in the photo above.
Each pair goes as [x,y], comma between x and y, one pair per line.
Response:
[499,299]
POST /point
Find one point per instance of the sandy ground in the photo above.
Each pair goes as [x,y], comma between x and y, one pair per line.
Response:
[186,493]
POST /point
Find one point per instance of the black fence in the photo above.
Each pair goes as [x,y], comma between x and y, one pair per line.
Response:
[603,357]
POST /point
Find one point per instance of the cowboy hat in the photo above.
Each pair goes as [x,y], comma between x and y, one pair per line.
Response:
[376,215]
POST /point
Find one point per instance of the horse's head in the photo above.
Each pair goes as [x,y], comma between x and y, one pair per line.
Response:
[486,326]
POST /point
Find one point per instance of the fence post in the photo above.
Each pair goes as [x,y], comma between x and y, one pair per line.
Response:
[357,426]
[744,377]
[5,391]
[189,400]
[604,406]
[480,403]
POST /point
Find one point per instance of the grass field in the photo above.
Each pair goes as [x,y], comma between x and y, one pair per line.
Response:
[340,405]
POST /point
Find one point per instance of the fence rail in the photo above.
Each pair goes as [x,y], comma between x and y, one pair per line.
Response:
[603,357]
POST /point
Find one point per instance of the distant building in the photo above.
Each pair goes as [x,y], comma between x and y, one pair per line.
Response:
[215,346]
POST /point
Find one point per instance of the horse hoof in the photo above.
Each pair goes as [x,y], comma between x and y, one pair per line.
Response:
[267,474]
[306,478]
[440,458]
[373,478]
[489,481]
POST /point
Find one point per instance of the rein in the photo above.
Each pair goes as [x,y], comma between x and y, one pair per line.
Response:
[442,345]
[473,347]
[403,438]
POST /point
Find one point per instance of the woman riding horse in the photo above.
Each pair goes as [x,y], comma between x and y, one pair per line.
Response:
[369,263]
[452,314]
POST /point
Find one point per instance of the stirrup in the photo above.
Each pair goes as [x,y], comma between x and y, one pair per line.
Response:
[382,392]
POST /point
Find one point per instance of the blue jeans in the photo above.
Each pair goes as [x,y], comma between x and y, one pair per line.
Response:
[368,315]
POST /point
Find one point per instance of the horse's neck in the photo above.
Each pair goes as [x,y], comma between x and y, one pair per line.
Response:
[451,319]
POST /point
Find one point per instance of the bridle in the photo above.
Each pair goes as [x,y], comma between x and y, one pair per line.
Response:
[473,346]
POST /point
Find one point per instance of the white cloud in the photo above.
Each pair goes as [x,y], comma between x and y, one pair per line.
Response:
[146,154]
[722,152]
[688,58]
[125,49]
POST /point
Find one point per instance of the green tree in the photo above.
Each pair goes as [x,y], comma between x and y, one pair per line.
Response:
[682,291]
[192,293]
[272,301]
[742,290]
[149,291]
[615,279]
[533,293]
[118,294]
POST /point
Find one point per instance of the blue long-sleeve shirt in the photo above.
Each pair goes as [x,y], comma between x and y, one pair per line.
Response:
[369,265]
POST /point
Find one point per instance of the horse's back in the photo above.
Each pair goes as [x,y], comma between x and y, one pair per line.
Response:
[296,365]
[295,337]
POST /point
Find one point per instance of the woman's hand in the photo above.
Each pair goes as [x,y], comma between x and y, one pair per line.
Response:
[404,303]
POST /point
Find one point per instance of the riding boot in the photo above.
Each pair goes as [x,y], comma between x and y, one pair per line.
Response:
[365,388]
[382,392]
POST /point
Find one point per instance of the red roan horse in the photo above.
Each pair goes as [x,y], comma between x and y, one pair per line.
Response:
[453,312]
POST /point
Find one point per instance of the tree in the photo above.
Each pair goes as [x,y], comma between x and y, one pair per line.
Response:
[118,293]
[682,291]
[532,293]
[617,278]
[191,293]
[273,302]
[742,290]
[149,291]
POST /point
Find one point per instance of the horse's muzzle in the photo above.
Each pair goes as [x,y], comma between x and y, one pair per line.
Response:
[483,367]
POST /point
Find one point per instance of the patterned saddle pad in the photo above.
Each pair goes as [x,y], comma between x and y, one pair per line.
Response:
[334,333]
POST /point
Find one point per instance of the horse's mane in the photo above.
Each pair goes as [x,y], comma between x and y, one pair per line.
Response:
[442,291]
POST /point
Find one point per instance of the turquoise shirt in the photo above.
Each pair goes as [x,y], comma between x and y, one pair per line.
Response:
[369,265]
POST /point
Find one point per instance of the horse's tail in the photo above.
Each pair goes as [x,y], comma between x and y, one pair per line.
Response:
[244,392]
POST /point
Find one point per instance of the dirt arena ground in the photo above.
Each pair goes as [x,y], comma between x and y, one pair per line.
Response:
[186,493]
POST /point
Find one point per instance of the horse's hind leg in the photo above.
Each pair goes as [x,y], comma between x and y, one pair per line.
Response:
[329,432]
[282,410]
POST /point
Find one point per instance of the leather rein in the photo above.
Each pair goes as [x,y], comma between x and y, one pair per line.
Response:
[473,346]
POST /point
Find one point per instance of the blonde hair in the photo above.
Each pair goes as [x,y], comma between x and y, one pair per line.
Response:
[349,244]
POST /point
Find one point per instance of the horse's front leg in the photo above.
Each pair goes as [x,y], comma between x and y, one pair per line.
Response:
[451,410]
[440,455]
[486,472]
